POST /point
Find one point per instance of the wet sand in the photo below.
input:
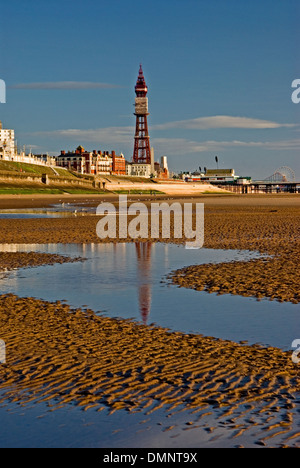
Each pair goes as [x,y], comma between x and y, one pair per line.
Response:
[15,260]
[41,201]
[272,229]
[268,224]
[62,356]
[75,356]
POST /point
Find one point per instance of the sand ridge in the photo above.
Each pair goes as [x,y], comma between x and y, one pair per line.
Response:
[15,260]
[270,230]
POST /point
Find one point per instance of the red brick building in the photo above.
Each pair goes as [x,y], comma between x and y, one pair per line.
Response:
[118,164]
[95,162]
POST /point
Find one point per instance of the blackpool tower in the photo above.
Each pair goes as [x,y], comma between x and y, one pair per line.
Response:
[141,151]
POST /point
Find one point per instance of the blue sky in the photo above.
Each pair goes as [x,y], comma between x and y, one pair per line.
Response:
[219,76]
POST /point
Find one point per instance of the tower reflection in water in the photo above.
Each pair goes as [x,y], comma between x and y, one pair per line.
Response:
[143,252]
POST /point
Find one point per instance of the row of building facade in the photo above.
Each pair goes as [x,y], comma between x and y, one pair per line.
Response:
[109,163]
[84,162]
[94,162]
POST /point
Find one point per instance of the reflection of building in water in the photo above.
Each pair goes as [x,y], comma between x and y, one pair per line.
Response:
[143,251]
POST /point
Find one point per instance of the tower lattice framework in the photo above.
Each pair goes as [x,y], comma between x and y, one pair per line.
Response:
[141,151]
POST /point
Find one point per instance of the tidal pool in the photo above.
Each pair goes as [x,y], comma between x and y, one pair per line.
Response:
[128,280]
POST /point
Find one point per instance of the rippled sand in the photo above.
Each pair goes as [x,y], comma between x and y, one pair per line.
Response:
[14,260]
[68,356]
[271,230]
[64,356]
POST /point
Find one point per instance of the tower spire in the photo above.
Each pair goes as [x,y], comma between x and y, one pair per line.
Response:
[141,152]
[140,87]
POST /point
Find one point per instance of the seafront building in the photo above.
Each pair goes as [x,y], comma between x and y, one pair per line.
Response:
[162,170]
[212,175]
[155,169]
[138,169]
[106,163]
[7,143]
[95,162]
[9,151]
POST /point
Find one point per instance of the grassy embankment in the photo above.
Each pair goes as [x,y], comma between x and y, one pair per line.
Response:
[25,187]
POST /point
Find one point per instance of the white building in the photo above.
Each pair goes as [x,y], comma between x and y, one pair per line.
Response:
[163,162]
[152,160]
[138,169]
[7,143]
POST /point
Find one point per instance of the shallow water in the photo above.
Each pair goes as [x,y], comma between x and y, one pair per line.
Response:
[56,211]
[37,426]
[129,281]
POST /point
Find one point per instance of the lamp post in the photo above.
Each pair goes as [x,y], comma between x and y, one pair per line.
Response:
[217,161]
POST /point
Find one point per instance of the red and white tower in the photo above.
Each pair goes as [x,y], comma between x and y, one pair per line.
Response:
[141,152]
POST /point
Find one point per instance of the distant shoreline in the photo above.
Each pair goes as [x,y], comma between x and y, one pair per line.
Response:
[39,200]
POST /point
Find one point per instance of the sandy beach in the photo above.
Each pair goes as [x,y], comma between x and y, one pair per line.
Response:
[268,224]
[73,356]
